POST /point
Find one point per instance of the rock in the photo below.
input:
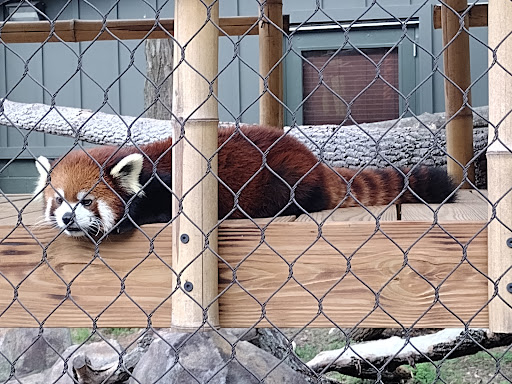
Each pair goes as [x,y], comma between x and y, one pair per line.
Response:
[34,350]
[101,354]
[210,356]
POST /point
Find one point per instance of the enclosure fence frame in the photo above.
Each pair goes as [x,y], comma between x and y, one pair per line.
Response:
[195,130]
[499,166]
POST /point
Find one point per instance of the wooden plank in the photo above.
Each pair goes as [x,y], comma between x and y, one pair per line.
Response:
[32,210]
[353,214]
[271,52]
[470,206]
[261,275]
[87,30]
[457,86]
[41,291]
[477,16]
[499,163]
[406,295]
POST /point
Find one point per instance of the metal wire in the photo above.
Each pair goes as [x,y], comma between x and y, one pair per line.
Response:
[381,372]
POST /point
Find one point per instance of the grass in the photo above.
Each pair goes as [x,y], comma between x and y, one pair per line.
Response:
[79,335]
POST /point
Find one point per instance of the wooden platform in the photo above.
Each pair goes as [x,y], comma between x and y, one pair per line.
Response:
[470,206]
[399,269]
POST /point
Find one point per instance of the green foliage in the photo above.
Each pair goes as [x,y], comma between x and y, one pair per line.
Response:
[424,373]
[306,352]
[79,335]
[118,332]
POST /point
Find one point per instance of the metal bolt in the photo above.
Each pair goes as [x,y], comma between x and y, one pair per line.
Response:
[188,286]
[509,242]
[184,238]
[509,287]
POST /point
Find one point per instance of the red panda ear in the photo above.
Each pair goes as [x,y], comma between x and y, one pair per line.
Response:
[43,166]
[127,171]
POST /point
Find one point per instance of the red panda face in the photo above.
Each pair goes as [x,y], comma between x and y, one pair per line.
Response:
[80,198]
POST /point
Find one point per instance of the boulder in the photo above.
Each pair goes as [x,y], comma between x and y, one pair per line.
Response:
[178,358]
[33,350]
[100,354]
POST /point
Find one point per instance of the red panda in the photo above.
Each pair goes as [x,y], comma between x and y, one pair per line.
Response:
[109,188]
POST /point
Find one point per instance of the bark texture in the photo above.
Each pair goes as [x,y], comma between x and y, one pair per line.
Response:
[403,143]
[362,359]
[158,84]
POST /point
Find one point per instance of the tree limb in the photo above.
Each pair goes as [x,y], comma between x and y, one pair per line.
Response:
[362,359]
[403,143]
[83,124]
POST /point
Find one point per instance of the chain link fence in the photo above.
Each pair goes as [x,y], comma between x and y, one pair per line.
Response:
[346,251]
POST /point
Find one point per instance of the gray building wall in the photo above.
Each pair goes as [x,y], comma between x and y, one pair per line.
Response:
[53,67]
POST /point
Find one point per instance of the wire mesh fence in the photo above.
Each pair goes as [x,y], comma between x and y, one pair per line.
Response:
[342,227]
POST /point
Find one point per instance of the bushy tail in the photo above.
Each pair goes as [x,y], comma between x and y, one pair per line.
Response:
[385,185]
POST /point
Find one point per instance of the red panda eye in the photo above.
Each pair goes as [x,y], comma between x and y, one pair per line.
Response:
[59,200]
[86,202]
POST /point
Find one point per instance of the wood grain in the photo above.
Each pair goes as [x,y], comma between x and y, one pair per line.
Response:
[270,53]
[95,282]
[12,206]
[261,266]
[470,206]
[457,70]
[477,16]
[195,130]
[499,163]
[353,214]
[87,30]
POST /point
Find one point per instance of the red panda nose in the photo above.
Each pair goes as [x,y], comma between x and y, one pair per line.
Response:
[67,218]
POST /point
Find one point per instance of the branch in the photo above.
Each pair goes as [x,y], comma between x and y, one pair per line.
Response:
[82,124]
[362,359]
[404,143]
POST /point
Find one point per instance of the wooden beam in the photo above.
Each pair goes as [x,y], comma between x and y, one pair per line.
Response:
[477,16]
[194,164]
[499,164]
[262,276]
[459,130]
[271,52]
[87,30]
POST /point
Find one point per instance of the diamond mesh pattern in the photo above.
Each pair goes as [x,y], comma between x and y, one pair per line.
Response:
[347,271]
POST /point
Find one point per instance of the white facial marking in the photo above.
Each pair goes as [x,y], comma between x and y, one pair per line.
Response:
[48,209]
[43,166]
[83,218]
[127,172]
[106,214]
[80,195]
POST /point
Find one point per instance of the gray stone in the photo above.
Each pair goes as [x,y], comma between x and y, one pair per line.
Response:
[210,356]
[31,351]
[101,354]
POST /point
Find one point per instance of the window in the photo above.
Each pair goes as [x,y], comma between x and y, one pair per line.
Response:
[347,72]
[350,78]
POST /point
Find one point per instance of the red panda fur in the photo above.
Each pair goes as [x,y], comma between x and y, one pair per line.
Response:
[264,184]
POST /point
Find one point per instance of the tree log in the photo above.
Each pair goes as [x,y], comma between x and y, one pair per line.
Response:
[404,143]
[362,359]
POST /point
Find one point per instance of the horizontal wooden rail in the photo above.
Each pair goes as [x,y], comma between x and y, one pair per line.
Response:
[477,16]
[87,30]
[31,291]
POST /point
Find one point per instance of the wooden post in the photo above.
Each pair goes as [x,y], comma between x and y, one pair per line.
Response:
[499,163]
[271,51]
[459,131]
[195,136]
